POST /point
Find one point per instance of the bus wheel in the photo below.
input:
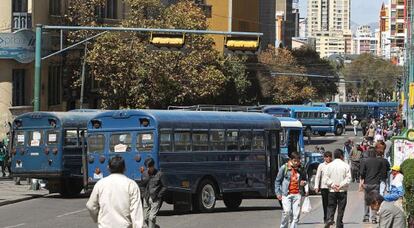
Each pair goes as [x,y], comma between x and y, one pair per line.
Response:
[206,196]
[71,188]
[232,200]
[339,130]
[322,133]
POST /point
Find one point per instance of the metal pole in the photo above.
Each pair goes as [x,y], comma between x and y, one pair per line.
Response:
[38,62]
[83,76]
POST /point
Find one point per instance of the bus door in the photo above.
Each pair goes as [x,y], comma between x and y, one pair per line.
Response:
[272,160]
[38,160]
[144,148]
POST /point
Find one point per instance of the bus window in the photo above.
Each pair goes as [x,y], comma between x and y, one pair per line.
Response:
[35,138]
[182,141]
[145,142]
[96,143]
[217,142]
[258,140]
[52,138]
[71,138]
[245,140]
[165,141]
[19,138]
[231,140]
[120,142]
[283,136]
[294,141]
[200,140]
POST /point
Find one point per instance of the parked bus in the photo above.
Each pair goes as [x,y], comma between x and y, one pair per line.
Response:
[48,145]
[362,110]
[204,156]
[317,120]
[387,107]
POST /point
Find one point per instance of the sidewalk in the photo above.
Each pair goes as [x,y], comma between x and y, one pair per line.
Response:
[354,212]
[11,193]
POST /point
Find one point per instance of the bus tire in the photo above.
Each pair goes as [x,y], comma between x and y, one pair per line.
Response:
[339,130]
[232,200]
[322,133]
[206,196]
[71,188]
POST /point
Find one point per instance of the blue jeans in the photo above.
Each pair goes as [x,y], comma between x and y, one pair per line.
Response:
[291,210]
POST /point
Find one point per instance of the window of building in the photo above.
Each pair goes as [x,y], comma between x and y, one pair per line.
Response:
[54,7]
[19,6]
[54,85]
[18,93]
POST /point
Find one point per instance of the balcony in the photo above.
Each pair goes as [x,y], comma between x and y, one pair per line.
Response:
[22,20]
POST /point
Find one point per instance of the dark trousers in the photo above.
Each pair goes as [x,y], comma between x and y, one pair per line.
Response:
[325,200]
[337,200]
[367,190]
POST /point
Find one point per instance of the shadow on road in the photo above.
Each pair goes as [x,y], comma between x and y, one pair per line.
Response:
[221,210]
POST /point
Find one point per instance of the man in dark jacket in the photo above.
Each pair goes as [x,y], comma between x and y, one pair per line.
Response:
[154,187]
[371,174]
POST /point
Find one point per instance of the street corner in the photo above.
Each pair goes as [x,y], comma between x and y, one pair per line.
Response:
[13,193]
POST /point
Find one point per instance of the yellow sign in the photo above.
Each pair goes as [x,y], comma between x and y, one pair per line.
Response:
[411,95]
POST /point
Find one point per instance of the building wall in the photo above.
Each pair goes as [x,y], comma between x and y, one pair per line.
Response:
[219,20]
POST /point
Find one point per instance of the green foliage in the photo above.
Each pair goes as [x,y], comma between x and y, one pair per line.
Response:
[132,76]
[407,168]
[378,77]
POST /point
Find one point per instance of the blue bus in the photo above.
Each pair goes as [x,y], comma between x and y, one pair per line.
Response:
[204,156]
[388,107]
[48,145]
[291,139]
[315,120]
[362,110]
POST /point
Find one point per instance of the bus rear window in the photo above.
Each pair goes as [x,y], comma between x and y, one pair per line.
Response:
[145,141]
[120,142]
[35,138]
[52,137]
[19,138]
[96,143]
[71,138]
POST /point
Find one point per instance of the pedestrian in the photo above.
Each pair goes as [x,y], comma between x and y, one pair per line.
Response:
[289,188]
[115,200]
[371,173]
[396,191]
[370,134]
[355,124]
[347,149]
[3,158]
[338,178]
[355,156]
[385,168]
[154,183]
[364,125]
[320,182]
[390,215]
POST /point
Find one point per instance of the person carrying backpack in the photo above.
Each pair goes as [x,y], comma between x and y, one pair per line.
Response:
[289,188]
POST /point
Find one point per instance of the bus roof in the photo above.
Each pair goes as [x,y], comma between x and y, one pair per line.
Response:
[67,119]
[196,119]
[298,108]
[289,122]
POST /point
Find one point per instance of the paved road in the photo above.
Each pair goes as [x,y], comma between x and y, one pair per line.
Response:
[52,211]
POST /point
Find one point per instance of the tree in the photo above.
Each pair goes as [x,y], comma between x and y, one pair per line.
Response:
[377,76]
[132,76]
[308,58]
[284,89]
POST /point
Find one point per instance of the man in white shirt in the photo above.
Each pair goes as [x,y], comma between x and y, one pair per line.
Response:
[338,178]
[115,200]
[320,182]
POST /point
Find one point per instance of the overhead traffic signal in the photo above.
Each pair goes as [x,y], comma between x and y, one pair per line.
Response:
[167,40]
[243,44]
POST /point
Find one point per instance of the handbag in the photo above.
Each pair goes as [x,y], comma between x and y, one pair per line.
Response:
[306,206]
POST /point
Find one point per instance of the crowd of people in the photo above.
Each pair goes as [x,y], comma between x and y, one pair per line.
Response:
[366,163]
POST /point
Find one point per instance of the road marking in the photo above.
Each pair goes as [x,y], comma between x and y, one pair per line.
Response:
[21,224]
[71,213]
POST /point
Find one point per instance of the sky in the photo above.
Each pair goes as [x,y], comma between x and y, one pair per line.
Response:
[362,11]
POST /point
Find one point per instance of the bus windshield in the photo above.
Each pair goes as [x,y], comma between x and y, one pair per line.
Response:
[19,138]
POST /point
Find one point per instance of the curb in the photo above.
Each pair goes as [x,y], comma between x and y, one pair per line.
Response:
[7,202]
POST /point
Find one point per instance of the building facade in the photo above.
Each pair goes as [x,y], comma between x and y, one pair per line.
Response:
[287,22]
[329,23]
[365,41]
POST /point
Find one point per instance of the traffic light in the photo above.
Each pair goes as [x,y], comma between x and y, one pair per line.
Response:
[242,44]
[167,40]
